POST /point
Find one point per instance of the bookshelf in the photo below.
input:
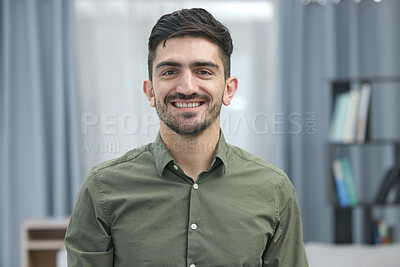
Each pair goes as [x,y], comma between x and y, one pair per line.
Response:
[41,240]
[343,215]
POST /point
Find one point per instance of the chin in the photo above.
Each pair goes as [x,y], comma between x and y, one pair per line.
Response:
[193,130]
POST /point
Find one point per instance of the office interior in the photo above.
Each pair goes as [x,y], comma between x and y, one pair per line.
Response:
[71,75]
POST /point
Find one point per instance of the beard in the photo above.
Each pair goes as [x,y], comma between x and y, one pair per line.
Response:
[188,123]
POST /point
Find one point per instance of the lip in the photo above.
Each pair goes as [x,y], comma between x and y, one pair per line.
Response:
[173,103]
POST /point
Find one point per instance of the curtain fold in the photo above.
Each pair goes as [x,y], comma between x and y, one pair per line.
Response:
[4,122]
[40,158]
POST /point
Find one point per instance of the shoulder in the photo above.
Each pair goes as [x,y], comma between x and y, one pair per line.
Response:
[266,175]
[240,156]
[116,170]
[130,157]
[116,175]
[269,180]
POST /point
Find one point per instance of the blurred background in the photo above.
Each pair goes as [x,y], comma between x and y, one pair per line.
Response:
[71,75]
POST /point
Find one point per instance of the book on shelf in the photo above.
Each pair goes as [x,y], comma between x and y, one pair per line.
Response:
[341,189]
[390,181]
[350,128]
[344,182]
[349,181]
[365,96]
[383,232]
[339,117]
[397,200]
[350,115]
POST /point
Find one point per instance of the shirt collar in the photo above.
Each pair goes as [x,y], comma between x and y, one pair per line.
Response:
[162,156]
[221,151]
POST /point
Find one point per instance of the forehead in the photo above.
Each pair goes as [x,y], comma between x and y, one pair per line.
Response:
[188,49]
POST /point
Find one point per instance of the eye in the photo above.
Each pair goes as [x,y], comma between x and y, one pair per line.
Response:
[168,72]
[204,72]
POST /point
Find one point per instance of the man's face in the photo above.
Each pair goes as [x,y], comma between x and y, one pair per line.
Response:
[188,84]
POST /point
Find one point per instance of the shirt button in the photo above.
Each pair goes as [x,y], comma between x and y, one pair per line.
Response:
[176,167]
[192,265]
[193,226]
[195,186]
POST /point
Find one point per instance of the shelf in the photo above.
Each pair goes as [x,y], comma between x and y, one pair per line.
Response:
[41,241]
[371,79]
[369,205]
[41,224]
[44,245]
[374,142]
[345,88]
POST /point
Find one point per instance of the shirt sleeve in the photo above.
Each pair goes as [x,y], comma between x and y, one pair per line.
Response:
[286,248]
[88,237]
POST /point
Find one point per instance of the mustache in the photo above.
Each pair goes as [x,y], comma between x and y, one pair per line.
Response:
[180,96]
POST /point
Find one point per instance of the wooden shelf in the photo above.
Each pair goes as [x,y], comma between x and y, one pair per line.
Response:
[42,239]
[45,245]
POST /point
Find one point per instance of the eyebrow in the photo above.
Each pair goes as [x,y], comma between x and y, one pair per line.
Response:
[204,64]
[194,64]
[169,64]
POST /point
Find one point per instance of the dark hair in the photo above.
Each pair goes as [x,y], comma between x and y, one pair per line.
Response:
[191,22]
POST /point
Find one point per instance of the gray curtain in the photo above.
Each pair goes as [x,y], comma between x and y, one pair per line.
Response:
[40,162]
[318,44]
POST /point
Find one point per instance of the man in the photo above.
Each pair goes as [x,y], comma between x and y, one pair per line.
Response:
[189,198]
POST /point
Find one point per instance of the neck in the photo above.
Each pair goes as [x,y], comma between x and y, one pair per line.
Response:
[193,154]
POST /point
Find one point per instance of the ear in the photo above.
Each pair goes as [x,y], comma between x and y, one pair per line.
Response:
[230,90]
[149,92]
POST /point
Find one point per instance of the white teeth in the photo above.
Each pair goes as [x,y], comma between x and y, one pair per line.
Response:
[187,105]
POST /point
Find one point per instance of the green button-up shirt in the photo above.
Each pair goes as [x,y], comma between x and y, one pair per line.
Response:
[142,210]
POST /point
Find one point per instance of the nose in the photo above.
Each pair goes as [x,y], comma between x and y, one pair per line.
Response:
[187,84]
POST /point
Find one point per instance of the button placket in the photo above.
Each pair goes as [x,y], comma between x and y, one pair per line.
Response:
[194,225]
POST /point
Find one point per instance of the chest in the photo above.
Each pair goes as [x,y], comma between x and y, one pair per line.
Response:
[208,224]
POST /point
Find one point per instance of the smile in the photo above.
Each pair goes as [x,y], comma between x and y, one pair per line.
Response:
[187,105]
